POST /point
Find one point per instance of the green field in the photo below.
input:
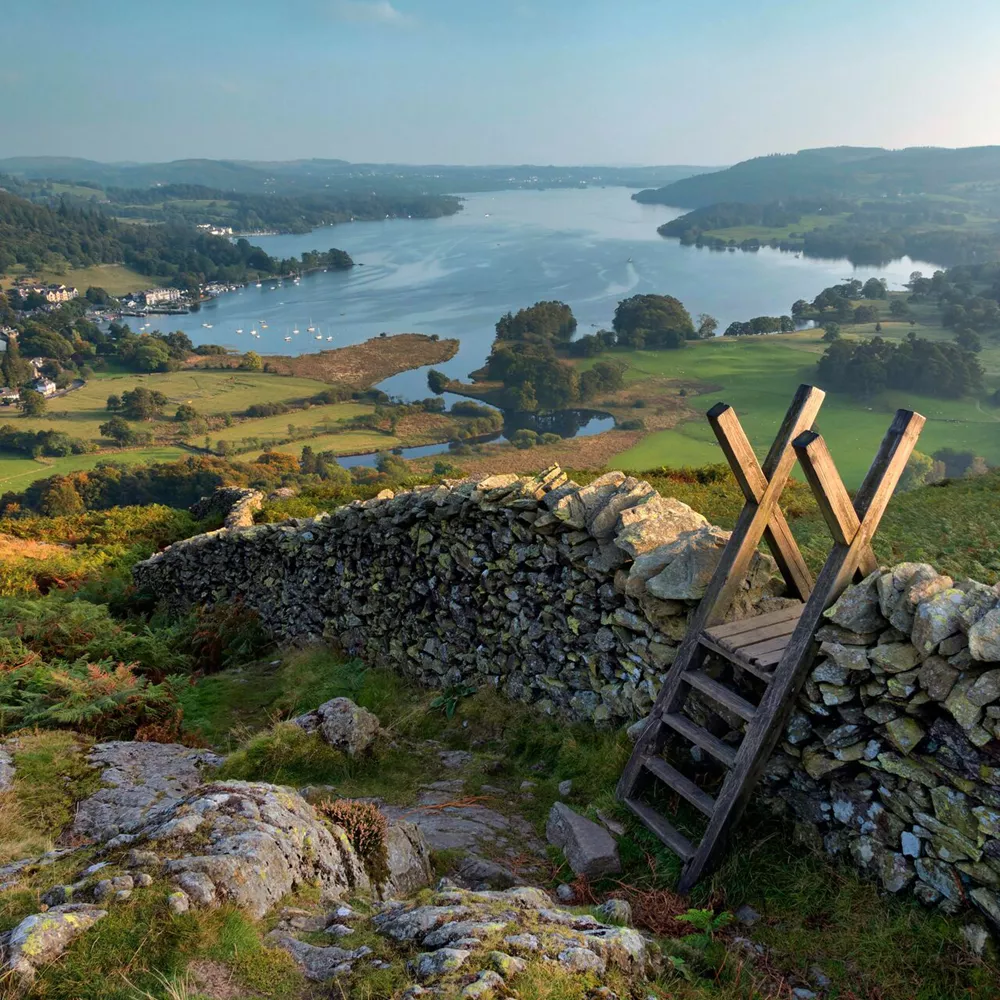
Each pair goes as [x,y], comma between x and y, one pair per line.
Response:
[81,412]
[758,375]
[344,443]
[115,279]
[17,471]
[317,419]
[767,233]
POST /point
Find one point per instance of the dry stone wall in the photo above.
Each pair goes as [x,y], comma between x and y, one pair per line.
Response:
[892,757]
[575,599]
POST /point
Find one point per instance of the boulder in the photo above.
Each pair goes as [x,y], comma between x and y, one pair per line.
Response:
[342,724]
[858,608]
[409,859]
[6,770]
[589,848]
[654,523]
[41,938]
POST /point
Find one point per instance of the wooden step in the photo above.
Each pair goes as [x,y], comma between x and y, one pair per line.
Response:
[720,693]
[730,629]
[673,778]
[675,840]
[722,752]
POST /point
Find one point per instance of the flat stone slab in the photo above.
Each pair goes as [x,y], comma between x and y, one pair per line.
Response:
[474,827]
[142,781]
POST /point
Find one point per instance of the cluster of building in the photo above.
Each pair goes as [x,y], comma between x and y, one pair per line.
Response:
[39,382]
[214,230]
[54,294]
[156,296]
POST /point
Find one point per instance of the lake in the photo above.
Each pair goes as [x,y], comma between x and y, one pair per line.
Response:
[455,276]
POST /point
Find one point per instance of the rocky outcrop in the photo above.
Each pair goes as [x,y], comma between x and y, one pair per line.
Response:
[141,783]
[454,929]
[571,598]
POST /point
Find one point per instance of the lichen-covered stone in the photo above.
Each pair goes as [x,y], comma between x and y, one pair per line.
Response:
[343,725]
[41,938]
[984,637]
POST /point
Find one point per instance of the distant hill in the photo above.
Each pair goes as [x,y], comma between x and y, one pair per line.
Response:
[838,171]
[335,176]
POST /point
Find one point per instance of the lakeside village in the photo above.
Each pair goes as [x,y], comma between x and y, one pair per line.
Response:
[47,297]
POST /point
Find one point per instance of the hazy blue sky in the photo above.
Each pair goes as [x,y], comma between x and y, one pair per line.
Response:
[495,81]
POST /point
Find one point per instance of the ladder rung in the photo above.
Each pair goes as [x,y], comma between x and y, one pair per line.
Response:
[701,737]
[675,840]
[673,778]
[720,693]
[736,657]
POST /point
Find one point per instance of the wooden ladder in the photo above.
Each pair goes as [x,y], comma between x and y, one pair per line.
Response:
[775,647]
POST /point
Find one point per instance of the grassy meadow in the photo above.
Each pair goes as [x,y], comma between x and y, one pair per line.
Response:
[81,412]
[758,375]
[115,279]
[17,471]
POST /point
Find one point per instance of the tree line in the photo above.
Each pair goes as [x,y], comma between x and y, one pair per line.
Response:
[36,236]
[866,367]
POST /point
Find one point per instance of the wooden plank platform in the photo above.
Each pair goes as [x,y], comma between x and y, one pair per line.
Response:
[756,644]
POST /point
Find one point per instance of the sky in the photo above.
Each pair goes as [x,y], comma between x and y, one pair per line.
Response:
[494,81]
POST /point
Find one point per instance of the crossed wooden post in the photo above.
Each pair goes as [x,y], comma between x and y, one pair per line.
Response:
[776,647]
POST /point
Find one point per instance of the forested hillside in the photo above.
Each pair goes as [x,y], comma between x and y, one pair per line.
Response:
[36,236]
[871,206]
[845,171]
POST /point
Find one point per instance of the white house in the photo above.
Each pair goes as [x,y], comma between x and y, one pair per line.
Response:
[154,296]
[44,385]
[8,395]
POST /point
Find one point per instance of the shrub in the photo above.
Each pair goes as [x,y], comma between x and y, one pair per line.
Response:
[226,635]
[366,828]
[524,439]
[104,699]
[636,424]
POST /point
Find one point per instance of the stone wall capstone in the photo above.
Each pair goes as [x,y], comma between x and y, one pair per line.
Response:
[576,598]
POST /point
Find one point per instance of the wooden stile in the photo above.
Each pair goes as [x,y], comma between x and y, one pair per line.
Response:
[776,647]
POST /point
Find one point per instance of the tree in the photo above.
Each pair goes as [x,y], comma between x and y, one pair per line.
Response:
[185,413]
[117,428]
[968,340]
[114,403]
[437,381]
[865,314]
[61,498]
[658,321]
[252,362]
[832,332]
[707,325]
[918,468]
[898,309]
[142,403]
[799,308]
[31,403]
[874,288]
[15,370]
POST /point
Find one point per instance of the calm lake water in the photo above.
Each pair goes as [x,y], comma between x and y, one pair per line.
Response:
[508,249]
